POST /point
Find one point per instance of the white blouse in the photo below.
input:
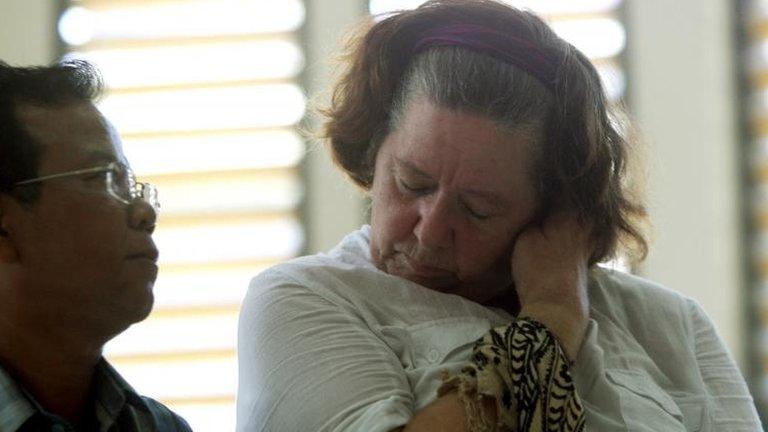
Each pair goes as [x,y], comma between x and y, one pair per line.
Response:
[330,343]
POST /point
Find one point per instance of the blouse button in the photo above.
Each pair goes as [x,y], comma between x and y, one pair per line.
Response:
[433,356]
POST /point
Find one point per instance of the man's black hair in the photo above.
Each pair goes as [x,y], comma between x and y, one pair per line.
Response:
[57,85]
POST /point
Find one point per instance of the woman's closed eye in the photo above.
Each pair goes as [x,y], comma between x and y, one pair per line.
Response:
[415,188]
[475,213]
[412,187]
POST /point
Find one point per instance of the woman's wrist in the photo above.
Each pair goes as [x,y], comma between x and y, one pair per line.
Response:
[566,321]
[517,373]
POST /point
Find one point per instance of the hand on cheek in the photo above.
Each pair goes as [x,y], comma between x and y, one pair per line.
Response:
[549,269]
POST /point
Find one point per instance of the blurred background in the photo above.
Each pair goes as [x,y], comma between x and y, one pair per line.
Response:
[212,98]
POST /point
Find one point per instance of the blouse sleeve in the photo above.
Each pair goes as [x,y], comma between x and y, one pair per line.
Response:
[307,364]
[734,410]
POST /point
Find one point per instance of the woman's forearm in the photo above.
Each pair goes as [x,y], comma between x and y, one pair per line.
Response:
[568,322]
[445,414]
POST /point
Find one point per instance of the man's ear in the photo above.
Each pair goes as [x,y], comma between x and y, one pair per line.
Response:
[8,251]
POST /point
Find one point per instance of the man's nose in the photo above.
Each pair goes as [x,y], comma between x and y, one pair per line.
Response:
[141,216]
[434,230]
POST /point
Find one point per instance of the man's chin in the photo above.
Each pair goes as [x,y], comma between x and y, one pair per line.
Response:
[143,312]
[128,314]
[137,306]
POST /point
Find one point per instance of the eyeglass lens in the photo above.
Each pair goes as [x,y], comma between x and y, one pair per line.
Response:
[122,182]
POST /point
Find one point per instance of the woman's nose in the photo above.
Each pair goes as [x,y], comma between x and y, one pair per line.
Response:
[434,228]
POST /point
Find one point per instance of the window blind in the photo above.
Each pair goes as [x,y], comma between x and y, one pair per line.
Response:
[206,98]
[755,22]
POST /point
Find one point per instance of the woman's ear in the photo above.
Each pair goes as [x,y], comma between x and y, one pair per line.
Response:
[8,251]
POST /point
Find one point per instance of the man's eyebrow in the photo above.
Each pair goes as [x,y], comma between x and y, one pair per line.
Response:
[99,156]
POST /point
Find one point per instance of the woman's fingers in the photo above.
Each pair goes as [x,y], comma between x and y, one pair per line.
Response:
[549,268]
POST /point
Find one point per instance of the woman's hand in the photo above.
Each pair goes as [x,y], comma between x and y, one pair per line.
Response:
[549,269]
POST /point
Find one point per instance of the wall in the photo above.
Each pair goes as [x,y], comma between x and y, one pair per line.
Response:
[27,31]
[333,207]
[683,90]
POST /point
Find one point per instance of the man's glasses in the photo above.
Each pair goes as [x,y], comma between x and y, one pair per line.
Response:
[120,183]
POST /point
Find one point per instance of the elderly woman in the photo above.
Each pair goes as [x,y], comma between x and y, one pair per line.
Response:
[473,301]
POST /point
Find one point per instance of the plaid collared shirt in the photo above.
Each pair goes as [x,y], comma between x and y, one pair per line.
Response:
[118,408]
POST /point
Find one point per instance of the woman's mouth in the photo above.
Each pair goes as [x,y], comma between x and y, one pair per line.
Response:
[425,270]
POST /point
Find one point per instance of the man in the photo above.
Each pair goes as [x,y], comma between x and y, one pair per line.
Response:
[77,261]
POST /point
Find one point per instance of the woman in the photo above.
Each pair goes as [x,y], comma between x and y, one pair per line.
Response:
[497,180]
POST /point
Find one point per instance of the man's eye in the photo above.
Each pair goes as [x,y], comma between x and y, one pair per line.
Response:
[95,177]
[120,177]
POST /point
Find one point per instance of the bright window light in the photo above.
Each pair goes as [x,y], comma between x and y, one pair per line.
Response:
[76,26]
[206,98]
[193,18]
[558,7]
[756,10]
[217,375]
[212,415]
[235,107]
[596,37]
[249,193]
[757,57]
[196,63]
[229,241]
[236,150]
[384,6]
[613,80]
[619,264]
[543,7]
[166,335]
[191,285]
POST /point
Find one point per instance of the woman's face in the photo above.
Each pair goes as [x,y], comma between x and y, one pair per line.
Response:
[450,194]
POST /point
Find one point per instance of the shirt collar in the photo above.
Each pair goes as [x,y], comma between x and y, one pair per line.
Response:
[15,406]
[112,393]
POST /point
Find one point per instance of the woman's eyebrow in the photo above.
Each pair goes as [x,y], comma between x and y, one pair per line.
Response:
[411,168]
[491,198]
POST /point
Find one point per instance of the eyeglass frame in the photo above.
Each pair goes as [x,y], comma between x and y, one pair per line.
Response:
[147,192]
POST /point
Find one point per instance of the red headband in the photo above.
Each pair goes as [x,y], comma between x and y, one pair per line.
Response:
[502,46]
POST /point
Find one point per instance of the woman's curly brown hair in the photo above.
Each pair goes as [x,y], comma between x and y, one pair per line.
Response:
[581,158]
